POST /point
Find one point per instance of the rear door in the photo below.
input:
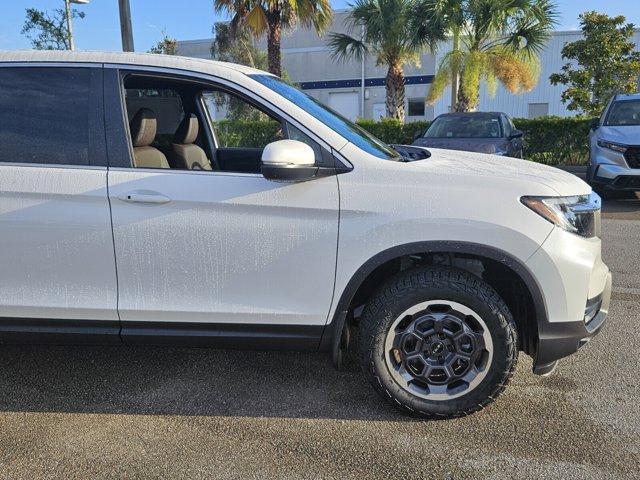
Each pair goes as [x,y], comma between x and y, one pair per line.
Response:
[57,267]
[222,254]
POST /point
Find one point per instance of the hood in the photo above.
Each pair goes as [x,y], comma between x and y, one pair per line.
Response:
[494,167]
[629,135]
[480,145]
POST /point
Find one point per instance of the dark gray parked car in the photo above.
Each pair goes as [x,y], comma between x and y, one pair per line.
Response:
[483,132]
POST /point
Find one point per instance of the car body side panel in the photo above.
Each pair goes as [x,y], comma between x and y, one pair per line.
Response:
[57,250]
[386,203]
[226,248]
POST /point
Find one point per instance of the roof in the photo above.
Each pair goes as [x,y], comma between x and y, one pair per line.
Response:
[627,96]
[139,59]
[471,114]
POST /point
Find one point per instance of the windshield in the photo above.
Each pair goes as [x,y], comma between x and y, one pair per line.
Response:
[465,127]
[623,113]
[331,119]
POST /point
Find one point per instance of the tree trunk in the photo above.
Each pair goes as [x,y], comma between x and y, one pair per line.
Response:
[395,91]
[465,104]
[273,42]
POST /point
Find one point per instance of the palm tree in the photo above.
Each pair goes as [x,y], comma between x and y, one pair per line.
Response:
[492,41]
[390,30]
[271,16]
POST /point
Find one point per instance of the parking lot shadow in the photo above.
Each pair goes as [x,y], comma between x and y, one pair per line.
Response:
[622,209]
[183,381]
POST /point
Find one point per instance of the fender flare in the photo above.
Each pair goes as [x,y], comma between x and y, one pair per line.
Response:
[333,330]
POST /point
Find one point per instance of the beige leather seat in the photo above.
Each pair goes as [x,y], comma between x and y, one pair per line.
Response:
[143,132]
[186,153]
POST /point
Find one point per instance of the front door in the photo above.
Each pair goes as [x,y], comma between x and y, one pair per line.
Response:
[206,253]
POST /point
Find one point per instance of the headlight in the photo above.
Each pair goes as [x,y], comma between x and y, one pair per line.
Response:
[616,147]
[579,214]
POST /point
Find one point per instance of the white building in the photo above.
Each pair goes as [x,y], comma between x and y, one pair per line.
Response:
[307,59]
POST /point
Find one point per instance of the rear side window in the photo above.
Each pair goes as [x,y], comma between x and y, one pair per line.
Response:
[48,115]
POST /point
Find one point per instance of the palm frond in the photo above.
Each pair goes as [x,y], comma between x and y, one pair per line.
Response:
[343,47]
[442,79]
[313,13]
[516,72]
[256,20]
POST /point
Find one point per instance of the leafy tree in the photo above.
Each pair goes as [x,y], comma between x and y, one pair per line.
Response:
[271,16]
[493,41]
[167,46]
[48,31]
[603,63]
[394,33]
[235,45]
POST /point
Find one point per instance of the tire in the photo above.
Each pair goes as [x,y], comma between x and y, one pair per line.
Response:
[446,295]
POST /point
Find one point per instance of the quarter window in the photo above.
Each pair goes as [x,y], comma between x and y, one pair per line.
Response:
[46,115]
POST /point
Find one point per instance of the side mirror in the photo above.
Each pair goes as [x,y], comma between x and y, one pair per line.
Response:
[288,161]
[417,134]
[595,124]
[516,134]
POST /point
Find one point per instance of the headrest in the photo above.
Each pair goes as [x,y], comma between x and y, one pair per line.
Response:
[187,131]
[143,128]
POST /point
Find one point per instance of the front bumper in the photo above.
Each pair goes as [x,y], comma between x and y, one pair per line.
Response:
[571,276]
[560,339]
[616,176]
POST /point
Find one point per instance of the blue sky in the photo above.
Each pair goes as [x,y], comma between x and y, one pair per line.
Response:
[191,19]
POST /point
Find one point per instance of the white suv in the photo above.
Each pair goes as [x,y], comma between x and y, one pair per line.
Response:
[153,199]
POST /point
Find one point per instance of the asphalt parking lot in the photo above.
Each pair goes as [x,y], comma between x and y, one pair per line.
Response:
[117,412]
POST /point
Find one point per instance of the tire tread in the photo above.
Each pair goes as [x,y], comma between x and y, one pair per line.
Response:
[410,281]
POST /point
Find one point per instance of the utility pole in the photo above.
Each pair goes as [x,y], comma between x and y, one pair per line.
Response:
[362,75]
[67,9]
[455,71]
[125,26]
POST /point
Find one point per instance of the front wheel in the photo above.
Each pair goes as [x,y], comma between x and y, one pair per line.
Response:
[437,342]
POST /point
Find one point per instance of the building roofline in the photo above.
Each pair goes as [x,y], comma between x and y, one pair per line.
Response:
[554,33]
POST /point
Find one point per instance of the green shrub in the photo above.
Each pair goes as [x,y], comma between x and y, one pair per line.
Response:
[247,133]
[555,140]
[390,130]
[550,140]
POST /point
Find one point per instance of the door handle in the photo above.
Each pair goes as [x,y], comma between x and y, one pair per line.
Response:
[144,197]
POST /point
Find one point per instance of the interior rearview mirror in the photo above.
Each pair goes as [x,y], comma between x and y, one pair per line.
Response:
[288,161]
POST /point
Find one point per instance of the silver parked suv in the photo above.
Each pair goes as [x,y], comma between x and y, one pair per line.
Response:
[614,166]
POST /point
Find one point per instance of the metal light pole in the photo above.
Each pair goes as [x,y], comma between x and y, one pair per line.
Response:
[125,26]
[67,7]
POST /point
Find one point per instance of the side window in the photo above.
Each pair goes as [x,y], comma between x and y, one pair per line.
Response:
[188,125]
[238,124]
[48,115]
[507,126]
[242,131]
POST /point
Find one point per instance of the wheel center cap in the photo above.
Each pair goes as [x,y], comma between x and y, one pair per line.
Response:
[437,348]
